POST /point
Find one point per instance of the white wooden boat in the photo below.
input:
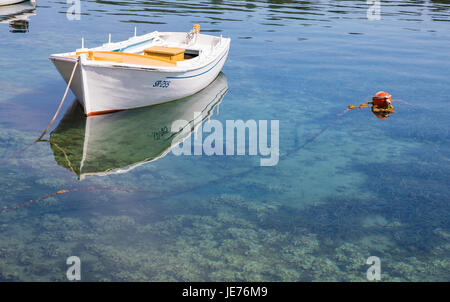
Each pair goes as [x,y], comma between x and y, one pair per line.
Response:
[119,142]
[20,11]
[143,70]
[11,2]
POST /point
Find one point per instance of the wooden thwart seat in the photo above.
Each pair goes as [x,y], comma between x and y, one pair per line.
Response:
[127,58]
[172,54]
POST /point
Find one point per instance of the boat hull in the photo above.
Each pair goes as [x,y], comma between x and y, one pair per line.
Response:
[104,89]
[65,68]
[10,2]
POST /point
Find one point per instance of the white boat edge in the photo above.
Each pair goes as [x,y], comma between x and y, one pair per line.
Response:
[17,11]
[12,2]
[104,87]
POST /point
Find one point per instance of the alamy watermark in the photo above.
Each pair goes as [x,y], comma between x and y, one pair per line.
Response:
[215,139]
[374,11]
[374,271]
[74,271]
[74,10]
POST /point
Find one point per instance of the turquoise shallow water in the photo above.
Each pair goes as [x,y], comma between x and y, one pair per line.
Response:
[344,189]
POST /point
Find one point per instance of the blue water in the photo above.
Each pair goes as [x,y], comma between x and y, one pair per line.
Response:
[346,187]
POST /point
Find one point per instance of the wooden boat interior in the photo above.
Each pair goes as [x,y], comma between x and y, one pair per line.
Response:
[152,56]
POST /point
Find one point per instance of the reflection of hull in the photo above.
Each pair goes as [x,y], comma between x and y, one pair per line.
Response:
[17,14]
[119,142]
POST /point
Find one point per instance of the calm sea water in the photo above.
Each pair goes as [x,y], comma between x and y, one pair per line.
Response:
[346,187]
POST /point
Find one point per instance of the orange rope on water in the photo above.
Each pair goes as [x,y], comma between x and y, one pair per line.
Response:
[68,191]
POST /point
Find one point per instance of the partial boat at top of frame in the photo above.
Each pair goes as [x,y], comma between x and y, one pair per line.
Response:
[17,13]
[11,2]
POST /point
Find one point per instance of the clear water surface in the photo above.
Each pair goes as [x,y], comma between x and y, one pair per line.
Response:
[346,187]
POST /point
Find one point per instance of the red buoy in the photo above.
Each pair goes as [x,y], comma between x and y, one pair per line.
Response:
[382,99]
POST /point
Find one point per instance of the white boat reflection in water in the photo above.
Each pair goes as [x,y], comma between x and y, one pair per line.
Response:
[119,142]
[17,14]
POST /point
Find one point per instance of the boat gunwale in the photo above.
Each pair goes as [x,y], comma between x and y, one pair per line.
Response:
[169,69]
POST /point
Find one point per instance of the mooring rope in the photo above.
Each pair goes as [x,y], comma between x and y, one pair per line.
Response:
[316,136]
[61,103]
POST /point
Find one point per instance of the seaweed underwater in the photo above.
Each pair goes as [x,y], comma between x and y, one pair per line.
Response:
[230,238]
[240,237]
[241,223]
